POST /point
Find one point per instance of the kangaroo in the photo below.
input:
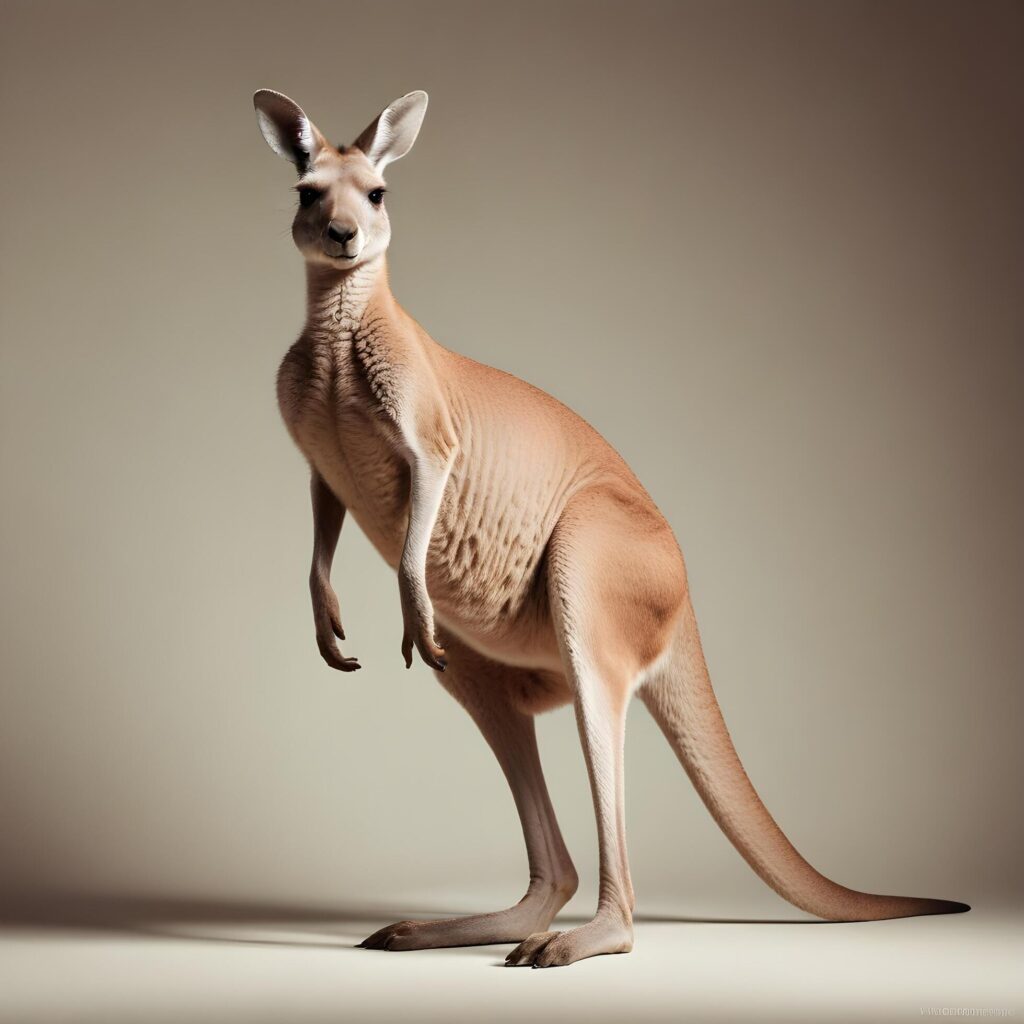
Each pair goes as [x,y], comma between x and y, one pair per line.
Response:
[534,570]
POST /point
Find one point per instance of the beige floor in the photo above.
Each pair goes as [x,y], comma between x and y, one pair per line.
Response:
[143,963]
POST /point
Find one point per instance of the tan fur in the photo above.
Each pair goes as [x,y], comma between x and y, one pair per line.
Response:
[523,538]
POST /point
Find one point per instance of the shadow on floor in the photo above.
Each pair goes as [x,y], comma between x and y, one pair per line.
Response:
[266,923]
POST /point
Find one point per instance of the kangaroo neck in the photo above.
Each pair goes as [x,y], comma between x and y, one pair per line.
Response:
[337,300]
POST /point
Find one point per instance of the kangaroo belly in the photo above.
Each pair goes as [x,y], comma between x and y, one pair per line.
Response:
[485,569]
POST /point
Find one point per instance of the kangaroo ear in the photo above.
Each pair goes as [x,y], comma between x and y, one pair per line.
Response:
[288,131]
[391,135]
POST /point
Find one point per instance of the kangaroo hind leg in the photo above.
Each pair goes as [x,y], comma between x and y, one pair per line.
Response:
[490,693]
[616,583]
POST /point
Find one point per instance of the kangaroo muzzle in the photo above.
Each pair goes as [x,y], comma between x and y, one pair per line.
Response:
[341,240]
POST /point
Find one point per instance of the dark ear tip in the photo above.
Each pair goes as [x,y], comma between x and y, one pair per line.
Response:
[262,98]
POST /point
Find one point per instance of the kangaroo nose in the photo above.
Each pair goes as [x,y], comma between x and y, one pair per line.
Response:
[340,233]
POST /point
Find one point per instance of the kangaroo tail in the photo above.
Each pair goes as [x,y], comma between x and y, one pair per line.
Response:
[680,698]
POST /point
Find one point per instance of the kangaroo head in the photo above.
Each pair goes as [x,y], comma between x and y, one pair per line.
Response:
[341,220]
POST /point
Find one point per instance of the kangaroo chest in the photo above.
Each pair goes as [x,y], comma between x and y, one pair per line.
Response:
[331,413]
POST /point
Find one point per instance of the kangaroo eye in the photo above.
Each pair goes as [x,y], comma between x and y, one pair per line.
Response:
[308,196]
[376,196]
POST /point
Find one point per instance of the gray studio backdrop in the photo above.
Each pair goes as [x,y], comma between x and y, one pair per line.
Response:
[772,251]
